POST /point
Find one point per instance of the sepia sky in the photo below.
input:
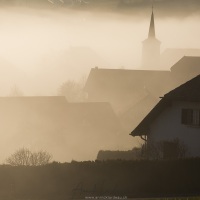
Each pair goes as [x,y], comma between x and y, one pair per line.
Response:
[60,44]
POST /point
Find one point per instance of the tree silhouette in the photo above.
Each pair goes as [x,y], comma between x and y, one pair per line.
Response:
[24,157]
[73,90]
[16,92]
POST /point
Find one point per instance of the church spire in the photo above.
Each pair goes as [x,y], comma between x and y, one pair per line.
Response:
[152,26]
[151,48]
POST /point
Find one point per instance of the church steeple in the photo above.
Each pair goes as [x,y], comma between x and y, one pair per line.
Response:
[152,26]
[151,48]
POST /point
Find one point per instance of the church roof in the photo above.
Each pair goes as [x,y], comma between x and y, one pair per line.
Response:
[188,91]
[152,33]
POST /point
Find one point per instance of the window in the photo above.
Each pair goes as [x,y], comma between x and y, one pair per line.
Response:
[191,117]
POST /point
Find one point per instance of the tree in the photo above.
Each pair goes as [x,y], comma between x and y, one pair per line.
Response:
[24,157]
[15,92]
[166,149]
[73,90]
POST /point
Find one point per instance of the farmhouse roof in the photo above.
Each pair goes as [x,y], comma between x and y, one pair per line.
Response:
[33,103]
[189,91]
[122,80]
[171,56]
[96,114]
[186,63]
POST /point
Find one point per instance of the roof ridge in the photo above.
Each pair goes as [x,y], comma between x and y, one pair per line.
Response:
[181,86]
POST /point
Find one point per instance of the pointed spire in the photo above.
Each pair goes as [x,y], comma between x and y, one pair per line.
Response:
[152,26]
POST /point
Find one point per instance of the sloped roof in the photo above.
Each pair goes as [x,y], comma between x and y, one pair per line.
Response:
[57,110]
[98,115]
[136,113]
[33,103]
[121,80]
[55,107]
[186,63]
[171,56]
[49,106]
[189,91]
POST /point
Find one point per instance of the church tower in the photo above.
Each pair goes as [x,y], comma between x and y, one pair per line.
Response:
[151,48]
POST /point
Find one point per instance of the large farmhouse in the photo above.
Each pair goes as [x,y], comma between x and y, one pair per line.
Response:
[175,118]
[67,130]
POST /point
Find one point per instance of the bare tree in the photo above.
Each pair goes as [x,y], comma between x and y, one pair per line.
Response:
[16,92]
[73,90]
[24,157]
[40,158]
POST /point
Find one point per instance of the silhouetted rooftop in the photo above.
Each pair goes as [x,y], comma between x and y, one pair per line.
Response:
[97,114]
[171,56]
[187,64]
[189,91]
[124,80]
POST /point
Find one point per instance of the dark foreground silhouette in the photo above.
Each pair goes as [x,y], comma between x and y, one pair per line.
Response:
[124,179]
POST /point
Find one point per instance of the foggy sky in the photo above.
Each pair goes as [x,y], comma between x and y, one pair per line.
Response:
[42,48]
[166,8]
[169,8]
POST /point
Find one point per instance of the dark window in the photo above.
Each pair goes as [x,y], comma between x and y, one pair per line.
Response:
[190,117]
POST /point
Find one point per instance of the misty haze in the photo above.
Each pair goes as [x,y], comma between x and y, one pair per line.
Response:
[57,45]
[99,98]
[41,49]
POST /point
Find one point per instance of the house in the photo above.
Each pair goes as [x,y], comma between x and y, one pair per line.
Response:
[67,130]
[92,126]
[119,155]
[124,88]
[174,121]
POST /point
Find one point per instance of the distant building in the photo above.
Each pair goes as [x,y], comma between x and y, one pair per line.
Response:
[67,130]
[175,118]
[124,88]
[153,59]
[133,154]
